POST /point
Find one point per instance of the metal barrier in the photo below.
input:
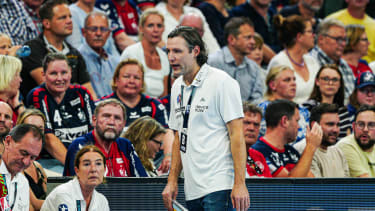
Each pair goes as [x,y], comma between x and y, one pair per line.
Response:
[265,194]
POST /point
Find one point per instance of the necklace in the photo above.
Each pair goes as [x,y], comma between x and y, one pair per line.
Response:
[302,64]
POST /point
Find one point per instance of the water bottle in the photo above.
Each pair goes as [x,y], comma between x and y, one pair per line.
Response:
[24,51]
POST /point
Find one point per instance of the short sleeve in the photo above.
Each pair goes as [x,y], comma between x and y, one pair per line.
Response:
[229,100]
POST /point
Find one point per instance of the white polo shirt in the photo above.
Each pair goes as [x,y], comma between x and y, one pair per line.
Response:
[66,196]
[22,200]
[207,162]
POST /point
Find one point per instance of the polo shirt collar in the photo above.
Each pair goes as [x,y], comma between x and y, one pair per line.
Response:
[228,57]
[201,76]
[4,170]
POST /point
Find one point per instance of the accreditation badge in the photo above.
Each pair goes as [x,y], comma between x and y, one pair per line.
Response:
[183,140]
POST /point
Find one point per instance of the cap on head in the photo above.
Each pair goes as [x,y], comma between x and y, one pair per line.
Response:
[365,79]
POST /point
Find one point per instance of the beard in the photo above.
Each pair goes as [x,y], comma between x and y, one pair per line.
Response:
[108,134]
[365,146]
[326,141]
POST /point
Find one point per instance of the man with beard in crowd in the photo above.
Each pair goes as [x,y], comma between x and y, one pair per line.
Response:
[358,148]
[121,159]
[328,160]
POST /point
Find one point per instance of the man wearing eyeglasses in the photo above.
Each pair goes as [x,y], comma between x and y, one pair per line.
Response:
[100,63]
[121,158]
[331,41]
[358,148]
[57,25]
[21,147]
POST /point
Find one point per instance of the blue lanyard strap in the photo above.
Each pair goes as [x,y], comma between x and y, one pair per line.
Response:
[186,114]
[78,205]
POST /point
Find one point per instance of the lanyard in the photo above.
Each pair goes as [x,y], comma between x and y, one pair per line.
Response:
[253,165]
[186,114]
[78,205]
[15,192]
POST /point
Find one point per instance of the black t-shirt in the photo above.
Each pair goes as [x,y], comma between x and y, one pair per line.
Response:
[38,52]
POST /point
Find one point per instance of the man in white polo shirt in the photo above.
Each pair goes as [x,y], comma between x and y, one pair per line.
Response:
[206,115]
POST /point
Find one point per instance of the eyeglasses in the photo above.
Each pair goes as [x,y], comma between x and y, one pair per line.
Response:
[367,90]
[337,39]
[327,79]
[95,29]
[363,39]
[309,31]
[362,125]
[158,142]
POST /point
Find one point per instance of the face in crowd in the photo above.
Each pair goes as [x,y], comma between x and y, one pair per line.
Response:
[364,129]
[57,77]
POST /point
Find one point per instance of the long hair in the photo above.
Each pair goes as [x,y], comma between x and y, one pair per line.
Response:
[9,67]
[139,133]
[339,96]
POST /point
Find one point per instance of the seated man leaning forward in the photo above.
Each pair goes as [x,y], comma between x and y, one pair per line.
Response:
[282,127]
[68,109]
[121,158]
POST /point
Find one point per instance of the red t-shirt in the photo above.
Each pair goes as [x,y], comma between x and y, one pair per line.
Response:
[128,16]
[362,67]
[117,165]
[259,165]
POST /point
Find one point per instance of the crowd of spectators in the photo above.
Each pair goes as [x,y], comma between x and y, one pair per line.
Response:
[98,73]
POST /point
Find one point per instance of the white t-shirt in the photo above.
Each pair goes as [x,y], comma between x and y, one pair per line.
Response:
[304,88]
[171,23]
[68,195]
[153,78]
[21,194]
[207,163]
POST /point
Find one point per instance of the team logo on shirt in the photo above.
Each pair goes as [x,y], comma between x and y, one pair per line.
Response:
[146,109]
[63,207]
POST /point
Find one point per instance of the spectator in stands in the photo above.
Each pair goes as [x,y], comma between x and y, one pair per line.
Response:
[281,84]
[6,123]
[259,12]
[297,37]
[282,118]
[10,80]
[328,87]
[256,164]
[147,135]
[57,25]
[328,160]
[128,85]
[239,33]
[21,147]
[68,109]
[108,121]
[126,13]
[358,148]
[147,52]
[79,11]
[35,174]
[307,9]
[217,16]
[355,13]
[330,48]
[356,48]
[16,23]
[80,193]
[100,64]
[363,94]
[32,7]
[6,47]
[174,10]
[256,54]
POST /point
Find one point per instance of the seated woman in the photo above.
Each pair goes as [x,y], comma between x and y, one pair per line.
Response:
[363,94]
[356,47]
[80,193]
[154,59]
[147,136]
[281,84]
[328,87]
[10,80]
[297,37]
[128,85]
[35,173]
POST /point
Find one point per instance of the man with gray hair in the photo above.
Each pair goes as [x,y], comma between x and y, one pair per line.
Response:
[195,21]
[330,46]
[99,63]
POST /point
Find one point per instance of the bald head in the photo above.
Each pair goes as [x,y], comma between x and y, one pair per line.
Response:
[6,122]
[193,20]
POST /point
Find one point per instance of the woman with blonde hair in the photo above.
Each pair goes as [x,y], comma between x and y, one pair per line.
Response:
[154,59]
[356,48]
[10,80]
[6,47]
[281,84]
[35,173]
[297,36]
[147,136]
